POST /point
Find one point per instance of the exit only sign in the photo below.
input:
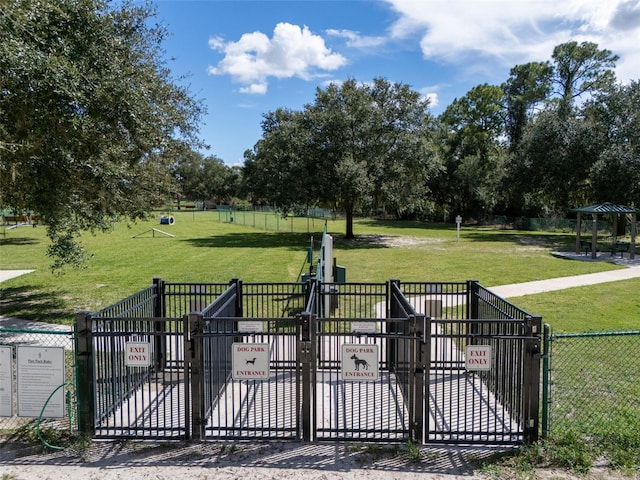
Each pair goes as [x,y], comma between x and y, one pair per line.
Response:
[137,354]
[478,357]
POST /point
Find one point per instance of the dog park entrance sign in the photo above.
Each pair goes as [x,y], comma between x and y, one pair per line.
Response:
[250,361]
[360,363]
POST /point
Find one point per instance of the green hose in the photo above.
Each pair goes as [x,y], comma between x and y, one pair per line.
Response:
[44,442]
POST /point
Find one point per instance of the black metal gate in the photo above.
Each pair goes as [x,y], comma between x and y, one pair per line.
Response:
[417,382]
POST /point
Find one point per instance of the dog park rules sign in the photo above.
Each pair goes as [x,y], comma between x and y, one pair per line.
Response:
[360,363]
[250,361]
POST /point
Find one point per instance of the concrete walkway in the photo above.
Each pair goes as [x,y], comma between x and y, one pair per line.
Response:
[561,283]
[9,274]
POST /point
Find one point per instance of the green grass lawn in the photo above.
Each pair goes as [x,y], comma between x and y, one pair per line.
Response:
[207,248]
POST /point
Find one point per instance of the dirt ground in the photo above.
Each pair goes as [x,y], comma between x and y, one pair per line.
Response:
[253,461]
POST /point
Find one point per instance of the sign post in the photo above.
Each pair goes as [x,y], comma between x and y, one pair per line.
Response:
[458,222]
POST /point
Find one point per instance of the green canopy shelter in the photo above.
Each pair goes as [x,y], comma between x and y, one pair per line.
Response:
[606,209]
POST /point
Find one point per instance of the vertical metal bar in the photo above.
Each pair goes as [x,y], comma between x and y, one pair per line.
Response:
[473,308]
[545,381]
[417,377]
[196,360]
[531,380]
[160,338]
[305,361]
[85,386]
[313,365]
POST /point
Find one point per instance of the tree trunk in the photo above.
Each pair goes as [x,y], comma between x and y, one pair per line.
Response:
[349,215]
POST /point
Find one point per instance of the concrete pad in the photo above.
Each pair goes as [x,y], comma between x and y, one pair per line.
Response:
[9,274]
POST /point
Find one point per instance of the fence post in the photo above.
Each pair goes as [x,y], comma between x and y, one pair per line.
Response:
[418,332]
[531,379]
[545,381]
[305,358]
[238,308]
[392,327]
[473,309]
[195,355]
[160,338]
[85,385]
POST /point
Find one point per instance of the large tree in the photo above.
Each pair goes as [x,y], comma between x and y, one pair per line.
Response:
[472,149]
[581,69]
[614,119]
[550,164]
[358,146]
[278,170]
[527,88]
[205,178]
[90,115]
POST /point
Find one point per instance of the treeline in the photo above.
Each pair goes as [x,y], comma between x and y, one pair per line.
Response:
[94,126]
[555,135]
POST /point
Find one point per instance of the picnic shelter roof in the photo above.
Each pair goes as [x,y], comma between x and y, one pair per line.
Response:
[606,208]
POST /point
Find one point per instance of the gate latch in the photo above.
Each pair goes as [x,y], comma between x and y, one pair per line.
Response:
[305,352]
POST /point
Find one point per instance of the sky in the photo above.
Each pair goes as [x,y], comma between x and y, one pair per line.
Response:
[245,58]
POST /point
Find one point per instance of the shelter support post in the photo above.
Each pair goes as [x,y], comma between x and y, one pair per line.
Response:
[578,234]
[634,232]
[594,235]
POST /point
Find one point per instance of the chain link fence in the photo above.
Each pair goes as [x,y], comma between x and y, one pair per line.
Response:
[32,392]
[595,387]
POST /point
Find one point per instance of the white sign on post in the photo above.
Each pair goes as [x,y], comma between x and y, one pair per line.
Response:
[137,354]
[6,382]
[250,361]
[40,373]
[360,363]
[478,357]
[458,222]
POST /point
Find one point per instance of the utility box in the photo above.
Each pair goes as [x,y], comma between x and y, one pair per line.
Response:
[340,274]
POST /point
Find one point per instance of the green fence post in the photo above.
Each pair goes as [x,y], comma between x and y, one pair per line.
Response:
[545,381]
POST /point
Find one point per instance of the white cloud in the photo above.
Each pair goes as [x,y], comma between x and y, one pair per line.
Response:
[355,40]
[516,32]
[291,52]
[430,95]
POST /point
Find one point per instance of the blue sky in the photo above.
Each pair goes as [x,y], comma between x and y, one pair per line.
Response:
[244,58]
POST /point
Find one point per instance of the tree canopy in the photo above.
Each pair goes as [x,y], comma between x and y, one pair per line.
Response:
[93,126]
[90,116]
[358,146]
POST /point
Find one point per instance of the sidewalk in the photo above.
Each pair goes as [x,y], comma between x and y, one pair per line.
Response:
[561,283]
[9,274]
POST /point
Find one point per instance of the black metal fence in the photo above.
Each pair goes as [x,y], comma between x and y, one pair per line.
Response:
[498,404]
[422,389]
